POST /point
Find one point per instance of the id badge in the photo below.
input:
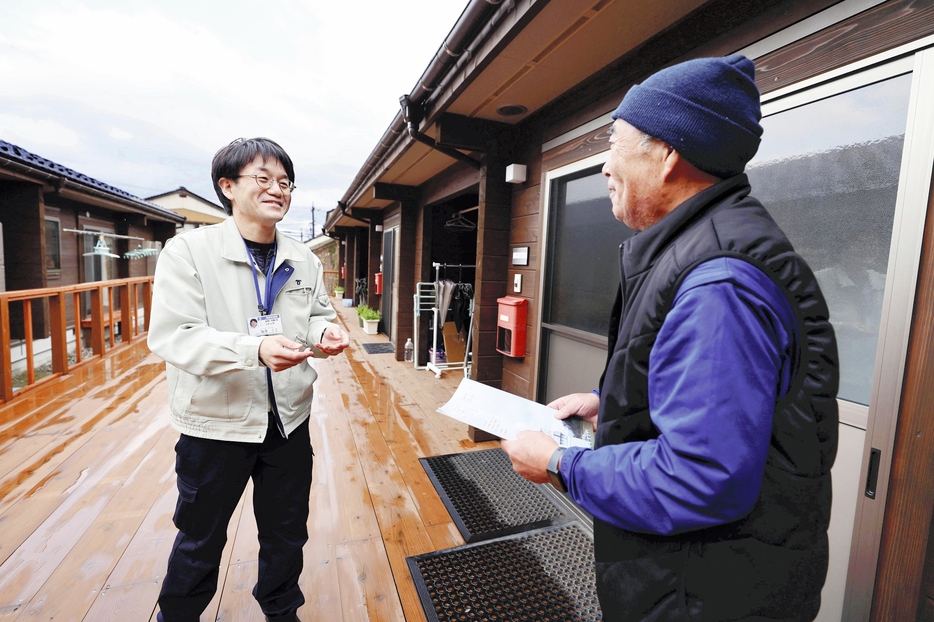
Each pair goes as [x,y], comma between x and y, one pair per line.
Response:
[265,325]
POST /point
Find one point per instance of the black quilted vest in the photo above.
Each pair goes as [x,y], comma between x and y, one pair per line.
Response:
[772,563]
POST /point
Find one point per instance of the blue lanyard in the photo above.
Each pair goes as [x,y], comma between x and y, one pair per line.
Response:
[261,305]
[264,310]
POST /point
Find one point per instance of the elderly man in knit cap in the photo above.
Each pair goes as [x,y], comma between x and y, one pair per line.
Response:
[716,418]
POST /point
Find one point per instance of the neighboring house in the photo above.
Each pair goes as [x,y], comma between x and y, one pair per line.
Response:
[197,210]
[40,200]
[327,249]
[492,171]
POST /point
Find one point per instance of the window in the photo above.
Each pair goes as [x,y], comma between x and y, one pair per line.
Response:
[583,271]
[828,173]
[53,247]
[581,277]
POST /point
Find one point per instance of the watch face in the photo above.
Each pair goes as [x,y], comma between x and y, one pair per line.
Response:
[555,480]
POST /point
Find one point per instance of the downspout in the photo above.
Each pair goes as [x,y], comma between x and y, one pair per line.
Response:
[412,115]
[343,207]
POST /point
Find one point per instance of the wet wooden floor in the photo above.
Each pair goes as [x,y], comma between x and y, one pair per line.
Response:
[87,492]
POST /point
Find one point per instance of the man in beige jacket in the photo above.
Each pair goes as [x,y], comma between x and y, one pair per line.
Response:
[235,308]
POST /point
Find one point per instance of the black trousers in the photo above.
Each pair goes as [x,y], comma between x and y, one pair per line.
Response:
[212,476]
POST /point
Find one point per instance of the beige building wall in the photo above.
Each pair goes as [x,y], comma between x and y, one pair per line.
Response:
[198,211]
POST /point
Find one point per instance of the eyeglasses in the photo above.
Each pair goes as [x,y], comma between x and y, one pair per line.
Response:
[266,183]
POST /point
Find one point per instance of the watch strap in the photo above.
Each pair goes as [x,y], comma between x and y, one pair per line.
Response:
[554,472]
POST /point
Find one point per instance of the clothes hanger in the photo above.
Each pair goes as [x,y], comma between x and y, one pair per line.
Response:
[459,223]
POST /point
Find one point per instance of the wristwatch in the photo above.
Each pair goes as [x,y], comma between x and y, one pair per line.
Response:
[554,473]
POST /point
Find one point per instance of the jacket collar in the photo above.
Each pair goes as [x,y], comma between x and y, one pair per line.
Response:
[639,252]
[233,248]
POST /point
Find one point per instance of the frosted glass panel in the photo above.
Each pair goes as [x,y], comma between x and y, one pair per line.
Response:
[573,367]
[828,174]
[584,269]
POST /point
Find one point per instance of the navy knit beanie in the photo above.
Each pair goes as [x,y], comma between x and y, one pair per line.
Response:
[707,109]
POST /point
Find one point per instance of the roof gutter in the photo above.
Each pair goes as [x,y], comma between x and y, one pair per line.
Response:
[79,192]
[471,20]
[82,193]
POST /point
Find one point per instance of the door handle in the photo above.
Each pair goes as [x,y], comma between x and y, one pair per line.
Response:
[872,477]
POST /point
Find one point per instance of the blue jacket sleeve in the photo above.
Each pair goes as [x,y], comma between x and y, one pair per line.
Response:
[721,360]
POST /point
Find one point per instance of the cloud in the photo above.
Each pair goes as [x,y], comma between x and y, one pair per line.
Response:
[140,94]
[46,132]
[117,134]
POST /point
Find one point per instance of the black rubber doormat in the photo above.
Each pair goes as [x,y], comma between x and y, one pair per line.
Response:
[544,575]
[486,498]
[379,348]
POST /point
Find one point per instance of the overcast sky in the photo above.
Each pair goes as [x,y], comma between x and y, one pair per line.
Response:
[141,94]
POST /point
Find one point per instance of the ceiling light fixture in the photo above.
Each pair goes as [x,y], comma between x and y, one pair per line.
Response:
[511,110]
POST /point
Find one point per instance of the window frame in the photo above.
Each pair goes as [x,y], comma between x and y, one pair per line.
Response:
[53,273]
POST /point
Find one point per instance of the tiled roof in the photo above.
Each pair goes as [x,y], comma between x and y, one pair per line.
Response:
[37,162]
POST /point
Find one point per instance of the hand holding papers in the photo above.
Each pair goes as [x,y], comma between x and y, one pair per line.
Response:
[504,414]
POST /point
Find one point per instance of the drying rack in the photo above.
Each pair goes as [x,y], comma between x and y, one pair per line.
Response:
[426,301]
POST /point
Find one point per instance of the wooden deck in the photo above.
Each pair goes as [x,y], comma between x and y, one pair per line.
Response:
[87,493]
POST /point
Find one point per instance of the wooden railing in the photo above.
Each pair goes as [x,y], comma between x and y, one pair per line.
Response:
[95,309]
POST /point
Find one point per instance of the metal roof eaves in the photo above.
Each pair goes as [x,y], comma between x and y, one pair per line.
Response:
[35,161]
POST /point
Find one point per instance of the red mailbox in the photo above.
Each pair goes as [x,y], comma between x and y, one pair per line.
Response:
[343,272]
[379,282]
[510,325]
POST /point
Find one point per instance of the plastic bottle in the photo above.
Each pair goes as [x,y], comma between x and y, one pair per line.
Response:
[409,350]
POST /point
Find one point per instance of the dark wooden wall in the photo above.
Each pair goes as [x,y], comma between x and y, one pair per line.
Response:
[493,223]
[375,246]
[881,28]
[403,215]
[68,219]
[905,573]
[22,212]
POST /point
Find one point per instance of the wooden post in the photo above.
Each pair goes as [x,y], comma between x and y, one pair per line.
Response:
[6,375]
[492,263]
[147,302]
[76,312]
[97,321]
[110,316]
[375,248]
[59,333]
[126,314]
[27,330]
[405,312]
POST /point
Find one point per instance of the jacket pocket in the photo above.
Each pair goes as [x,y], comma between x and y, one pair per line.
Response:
[181,386]
[228,397]
[300,381]
[299,295]
[295,306]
